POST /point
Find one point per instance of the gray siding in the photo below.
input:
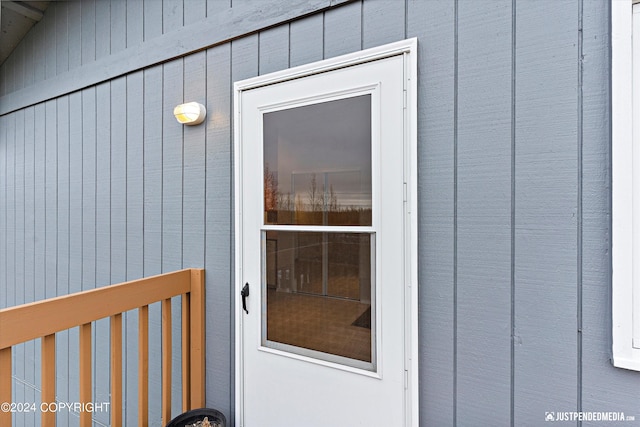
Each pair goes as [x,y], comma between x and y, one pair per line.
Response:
[482,174]
[98,186]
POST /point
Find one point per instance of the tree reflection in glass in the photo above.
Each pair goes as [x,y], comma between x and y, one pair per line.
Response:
[317,163]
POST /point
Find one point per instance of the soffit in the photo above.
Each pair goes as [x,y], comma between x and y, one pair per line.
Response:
[16,19]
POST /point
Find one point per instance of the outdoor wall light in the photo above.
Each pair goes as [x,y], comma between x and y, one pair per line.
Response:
[191,113]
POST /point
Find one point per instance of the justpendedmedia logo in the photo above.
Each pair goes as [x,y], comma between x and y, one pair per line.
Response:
[600,416]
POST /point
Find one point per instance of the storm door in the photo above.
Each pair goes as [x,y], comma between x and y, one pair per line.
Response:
[321,249]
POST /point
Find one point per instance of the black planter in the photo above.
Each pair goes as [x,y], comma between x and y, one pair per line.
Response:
[196,415]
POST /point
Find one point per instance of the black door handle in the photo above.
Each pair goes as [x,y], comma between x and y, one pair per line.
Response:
[245,294]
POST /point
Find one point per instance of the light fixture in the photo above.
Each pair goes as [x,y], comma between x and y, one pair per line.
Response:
[191,113]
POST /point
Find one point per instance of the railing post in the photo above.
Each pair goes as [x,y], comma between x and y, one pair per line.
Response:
[5,386]
[48,417]
[197,323]
[186,351]
[85,372]
[116,370]
[143,366]
[166,361]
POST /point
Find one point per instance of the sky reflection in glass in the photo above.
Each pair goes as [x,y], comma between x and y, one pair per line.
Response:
[317,163]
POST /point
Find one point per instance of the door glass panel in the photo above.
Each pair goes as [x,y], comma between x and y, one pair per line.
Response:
[317,163]
[318,295]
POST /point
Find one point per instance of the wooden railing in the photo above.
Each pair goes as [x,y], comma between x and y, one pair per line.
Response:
[43,319]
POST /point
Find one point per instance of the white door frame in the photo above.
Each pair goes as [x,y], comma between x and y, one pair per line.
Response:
[407,48]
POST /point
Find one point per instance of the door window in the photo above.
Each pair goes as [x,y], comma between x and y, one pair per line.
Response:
[318,282]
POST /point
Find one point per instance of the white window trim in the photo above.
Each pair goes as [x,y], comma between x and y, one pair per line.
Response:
[625,281]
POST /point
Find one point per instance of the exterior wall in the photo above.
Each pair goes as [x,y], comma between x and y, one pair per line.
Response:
[98,186]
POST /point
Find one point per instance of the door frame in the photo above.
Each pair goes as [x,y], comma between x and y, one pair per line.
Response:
[408,49]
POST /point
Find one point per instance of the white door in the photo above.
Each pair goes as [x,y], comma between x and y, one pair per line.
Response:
[321,249]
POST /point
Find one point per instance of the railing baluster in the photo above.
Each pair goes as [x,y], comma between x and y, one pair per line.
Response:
[143,366]
[48,345]
[186,353]
[5,385]
[116,370]
[85,372]
[166,361]
[197,324]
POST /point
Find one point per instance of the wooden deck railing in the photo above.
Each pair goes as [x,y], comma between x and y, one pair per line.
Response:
[43,319]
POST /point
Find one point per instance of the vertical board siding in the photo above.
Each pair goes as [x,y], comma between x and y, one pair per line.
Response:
[39,169]
[29,60]
[29,259]
[62,251]
[10,217]
[118,25]
[172,203]
[217,6]
[18,69]
[119,179]
[50,48]
[435,20]
[172,15]
[61,38]
[152,171]
[102,185]
[152,19]
[77,32]
[483,209]
[306,40]
[194,11]
[153,143]
[383,21]
[546,212]
[118,214]
[20,360]
[89,204]
[134,20]
[218,231]
[50,199]
[29,206]
[76,221]
[134,237]
[103,28]
[343,30]
[39,226]
[194,164]
[38,52]
[75,192]
[274,49]
[88,33]
[74,34]
[19,169]
[100,335]
[172,164]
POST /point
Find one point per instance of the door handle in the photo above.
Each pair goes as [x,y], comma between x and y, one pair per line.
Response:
[245,293]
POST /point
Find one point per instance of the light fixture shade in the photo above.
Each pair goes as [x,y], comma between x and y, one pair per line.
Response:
[191,113]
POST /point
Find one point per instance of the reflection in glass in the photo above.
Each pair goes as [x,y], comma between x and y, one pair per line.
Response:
[318,292]
[317,163]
